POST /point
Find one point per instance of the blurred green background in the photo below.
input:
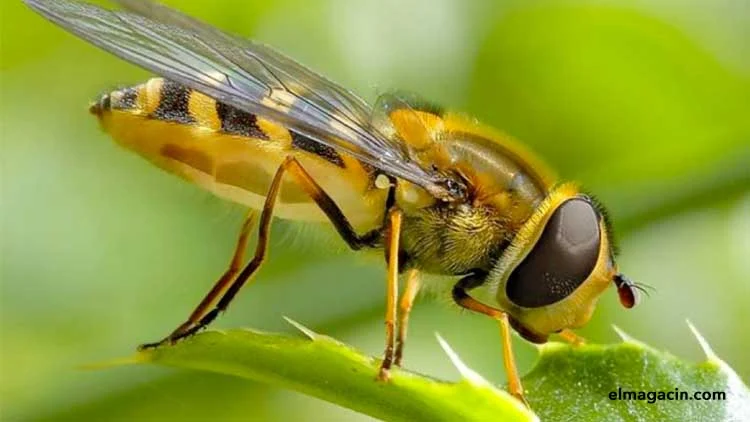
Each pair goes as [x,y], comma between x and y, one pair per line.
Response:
[647,103]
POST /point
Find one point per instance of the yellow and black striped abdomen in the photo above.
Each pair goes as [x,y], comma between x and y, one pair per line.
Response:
[234,154]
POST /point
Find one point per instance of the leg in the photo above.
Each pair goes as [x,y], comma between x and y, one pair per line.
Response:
[322,200]
[462,298]
[392,246]
[331,210]
[413,283]
[514,380]
[219,287]
[571,337]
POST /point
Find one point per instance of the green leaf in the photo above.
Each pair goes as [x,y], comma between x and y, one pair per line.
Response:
[322,367]
[578,381]
[567,381]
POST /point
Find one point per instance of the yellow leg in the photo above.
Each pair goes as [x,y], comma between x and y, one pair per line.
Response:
[514,380]
[571,337]
[392,246]
[413,283]
[462,298]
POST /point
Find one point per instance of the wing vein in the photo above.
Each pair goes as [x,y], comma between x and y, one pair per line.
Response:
[249,76]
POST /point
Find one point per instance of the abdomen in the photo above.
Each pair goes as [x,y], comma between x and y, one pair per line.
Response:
[234,154]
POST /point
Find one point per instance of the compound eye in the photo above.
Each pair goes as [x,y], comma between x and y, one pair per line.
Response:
[563,257]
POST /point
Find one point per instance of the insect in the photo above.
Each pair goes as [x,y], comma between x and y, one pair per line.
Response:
[436,191]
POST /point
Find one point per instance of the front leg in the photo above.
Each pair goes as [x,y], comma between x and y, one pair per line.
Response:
[571,337]
[463,299]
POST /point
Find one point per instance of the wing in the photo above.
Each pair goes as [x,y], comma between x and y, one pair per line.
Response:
[247,75]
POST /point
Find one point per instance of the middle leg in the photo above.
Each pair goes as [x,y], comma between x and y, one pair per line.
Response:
[392,249]
[413,284]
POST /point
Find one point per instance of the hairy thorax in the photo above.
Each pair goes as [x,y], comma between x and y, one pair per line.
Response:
[452,239]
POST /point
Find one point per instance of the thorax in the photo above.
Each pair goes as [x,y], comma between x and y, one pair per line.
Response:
[460,237]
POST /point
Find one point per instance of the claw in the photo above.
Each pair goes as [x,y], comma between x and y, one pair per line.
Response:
[147,346]
[521,398]
[384,375]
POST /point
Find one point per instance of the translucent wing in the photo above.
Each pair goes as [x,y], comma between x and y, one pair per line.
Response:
[247,75]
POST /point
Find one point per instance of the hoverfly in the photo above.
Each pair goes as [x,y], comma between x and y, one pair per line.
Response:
[436,191]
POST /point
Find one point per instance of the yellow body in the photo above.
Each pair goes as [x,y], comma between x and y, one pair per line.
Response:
[511,194]
[439,192]
[235,155]
[234,167]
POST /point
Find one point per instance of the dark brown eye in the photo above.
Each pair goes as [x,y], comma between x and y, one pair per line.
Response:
[562,258]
